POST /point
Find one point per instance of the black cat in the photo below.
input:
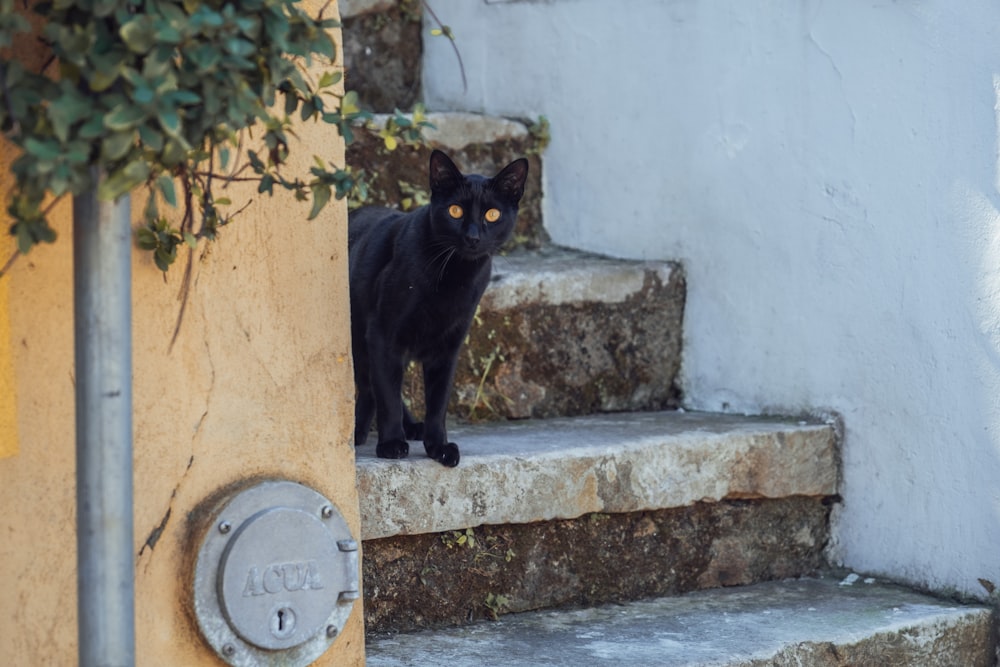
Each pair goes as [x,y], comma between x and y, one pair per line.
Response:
[416,279]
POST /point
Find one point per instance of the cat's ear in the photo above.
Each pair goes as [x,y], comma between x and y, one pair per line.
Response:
[445,176]
[510,181]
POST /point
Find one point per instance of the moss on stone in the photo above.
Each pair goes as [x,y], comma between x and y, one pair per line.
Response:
[431,580]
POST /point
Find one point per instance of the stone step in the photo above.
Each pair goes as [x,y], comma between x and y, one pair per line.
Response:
[383,50]
[814,622]
[563,333]
[478,144]
[593,509]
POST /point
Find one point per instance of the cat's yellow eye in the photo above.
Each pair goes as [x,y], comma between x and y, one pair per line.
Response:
[455,211]
[492,215]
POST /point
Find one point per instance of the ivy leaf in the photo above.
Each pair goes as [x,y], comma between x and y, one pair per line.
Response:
[165,184]
[180,97]
[123,180]
[115,146]
[146,239]
[166,33]
[143,94]
[24,240]
[204,57]
[43,150]
[151,211]
[239,47]
[328,79]
[123,117]
[349,103]
[92,128]
[138,34]
[151,138]
[321,195]
[163,258]
[173,153]
[291,102]
[308,109]
[170,121]
[347,133]
[101,80]
[70,108]
[104,8]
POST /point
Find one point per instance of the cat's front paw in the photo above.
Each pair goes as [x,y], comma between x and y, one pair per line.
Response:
[446,454]
[392,449]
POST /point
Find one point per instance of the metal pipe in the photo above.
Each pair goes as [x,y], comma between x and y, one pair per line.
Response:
[102,278]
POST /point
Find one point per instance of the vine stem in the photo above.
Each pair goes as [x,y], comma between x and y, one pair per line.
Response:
[446,31]
[10,262]
[187,223]
[15,129]
[52,205]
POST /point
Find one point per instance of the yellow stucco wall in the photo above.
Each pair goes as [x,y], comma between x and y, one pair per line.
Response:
[8,397]
[258,384]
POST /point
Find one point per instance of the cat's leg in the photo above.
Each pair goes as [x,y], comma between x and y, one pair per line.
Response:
[387,384]
[414,429]
[364,411]
[364,405]
[437,390]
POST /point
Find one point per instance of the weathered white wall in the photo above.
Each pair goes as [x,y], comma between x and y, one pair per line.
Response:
[828,173]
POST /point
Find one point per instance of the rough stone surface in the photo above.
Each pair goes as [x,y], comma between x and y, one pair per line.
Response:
[352,8]
[382,52]
[454,131]
[561,333]
[813,622]
[454,577]
[536,470]
[402,173]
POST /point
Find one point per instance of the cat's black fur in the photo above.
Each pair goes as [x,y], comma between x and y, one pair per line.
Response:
[416,279]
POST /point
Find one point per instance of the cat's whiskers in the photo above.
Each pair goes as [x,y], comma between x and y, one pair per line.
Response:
[446,252]
[444,265]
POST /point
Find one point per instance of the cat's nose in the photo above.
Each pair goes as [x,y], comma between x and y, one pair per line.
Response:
[471,242]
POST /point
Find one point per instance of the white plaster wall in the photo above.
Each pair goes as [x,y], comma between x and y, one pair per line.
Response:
[828,174]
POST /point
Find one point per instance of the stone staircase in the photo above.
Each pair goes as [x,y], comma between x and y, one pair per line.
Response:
[593,509]
[591,520]
[807,623]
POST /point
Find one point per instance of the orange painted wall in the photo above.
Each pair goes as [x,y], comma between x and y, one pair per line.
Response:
[258,384]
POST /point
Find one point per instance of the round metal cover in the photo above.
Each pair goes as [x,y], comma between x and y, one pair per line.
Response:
[276,576]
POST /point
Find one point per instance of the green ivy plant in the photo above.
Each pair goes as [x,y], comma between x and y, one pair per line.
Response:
[182,97]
